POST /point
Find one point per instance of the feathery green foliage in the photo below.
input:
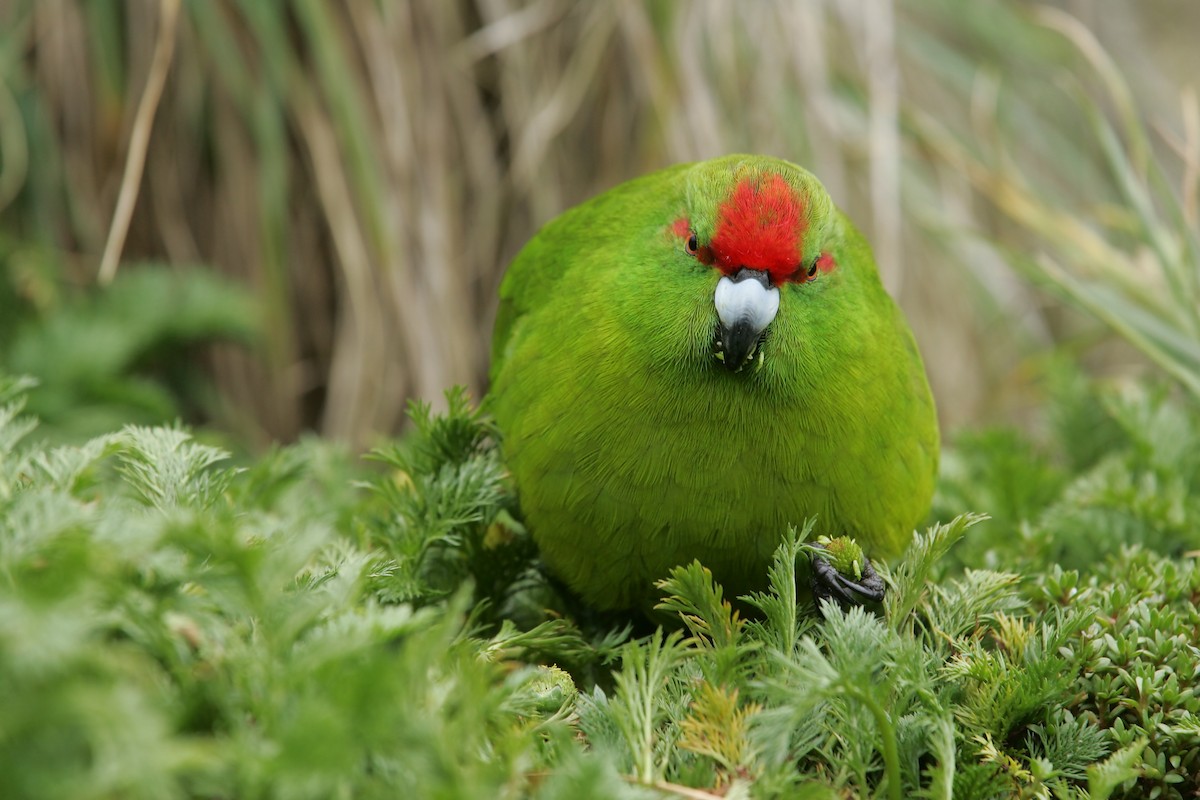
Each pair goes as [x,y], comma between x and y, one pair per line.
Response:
[124,355]
[172,626]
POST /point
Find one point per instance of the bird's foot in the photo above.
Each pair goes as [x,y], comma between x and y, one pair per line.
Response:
[830,584]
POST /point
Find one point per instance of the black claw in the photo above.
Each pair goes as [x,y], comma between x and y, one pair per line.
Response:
[829,584]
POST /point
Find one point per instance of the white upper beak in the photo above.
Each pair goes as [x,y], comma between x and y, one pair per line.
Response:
[747,302]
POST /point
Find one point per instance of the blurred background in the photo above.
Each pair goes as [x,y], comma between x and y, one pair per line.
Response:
[279,217]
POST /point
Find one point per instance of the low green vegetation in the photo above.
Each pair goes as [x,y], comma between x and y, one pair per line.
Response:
[127,354]
[310,625]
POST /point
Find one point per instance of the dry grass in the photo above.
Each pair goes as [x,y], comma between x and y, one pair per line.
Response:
[368,168]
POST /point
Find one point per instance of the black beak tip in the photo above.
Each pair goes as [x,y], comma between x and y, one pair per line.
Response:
[737,345]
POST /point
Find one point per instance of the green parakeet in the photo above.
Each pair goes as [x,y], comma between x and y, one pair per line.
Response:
[687,364]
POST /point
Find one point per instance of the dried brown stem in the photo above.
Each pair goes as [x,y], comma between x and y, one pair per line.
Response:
[139,140]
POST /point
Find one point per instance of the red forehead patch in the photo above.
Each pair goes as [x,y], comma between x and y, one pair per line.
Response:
[760,226]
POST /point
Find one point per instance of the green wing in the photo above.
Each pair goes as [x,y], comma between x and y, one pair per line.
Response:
[533,276]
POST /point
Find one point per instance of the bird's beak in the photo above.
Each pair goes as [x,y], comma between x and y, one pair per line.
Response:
[746,304]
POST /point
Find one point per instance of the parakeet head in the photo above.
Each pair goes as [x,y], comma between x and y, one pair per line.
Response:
[761,227]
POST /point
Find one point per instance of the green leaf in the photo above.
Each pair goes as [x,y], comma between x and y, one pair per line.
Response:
[1122,766]
[786,616]
[923,553]
[648,692]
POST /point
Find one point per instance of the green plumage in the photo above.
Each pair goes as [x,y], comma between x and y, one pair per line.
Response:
[633,449]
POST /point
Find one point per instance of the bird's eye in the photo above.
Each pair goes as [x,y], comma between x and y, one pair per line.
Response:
[822,264]
[693,245]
